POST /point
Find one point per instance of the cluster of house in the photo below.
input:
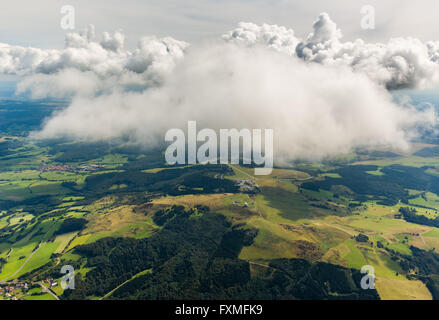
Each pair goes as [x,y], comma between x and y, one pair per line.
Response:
[92,167]
[52,283]
[238,203]
[9,290]
[46,168]
[247,185]
[87,167]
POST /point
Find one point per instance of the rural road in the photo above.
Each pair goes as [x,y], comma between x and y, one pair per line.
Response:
[122,284]
[422,238]
[21,267]
[243,172]
[260,264]
[47,290]
[305,179]
[254,178]
[111,292]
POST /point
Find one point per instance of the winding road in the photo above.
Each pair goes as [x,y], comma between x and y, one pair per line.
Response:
[21,267]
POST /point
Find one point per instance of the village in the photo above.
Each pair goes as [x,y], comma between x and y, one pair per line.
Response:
[23,290]
[247,186]
[86,167]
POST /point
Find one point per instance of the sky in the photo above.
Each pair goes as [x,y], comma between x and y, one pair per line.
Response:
[36,23]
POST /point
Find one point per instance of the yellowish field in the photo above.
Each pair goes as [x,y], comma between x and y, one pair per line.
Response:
[214,201]
[246,173]
[392,289]
[431,242]
[288,174]
[64,240]
[112,220]
[78,241]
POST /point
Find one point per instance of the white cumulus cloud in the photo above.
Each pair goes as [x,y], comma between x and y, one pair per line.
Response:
[106,63]
[233,86]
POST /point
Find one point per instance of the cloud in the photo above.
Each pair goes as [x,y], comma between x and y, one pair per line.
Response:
[233,86]
[271,36]
[20,60]
[106,63]
[401,63]
[321,96]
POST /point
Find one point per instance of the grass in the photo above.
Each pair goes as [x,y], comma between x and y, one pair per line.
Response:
[63,241]
[115,220]
[110,161]
[22,183]
[368,224]
[321,195]
[413,192]
[411,161]
[16,190]
[78,241]
[331,175]
[44,296]
[396,289]
[401,248]
[269,246]
[278,204]
[379,219]
[59,176]
[20,218]
[214,201]
[19,175]
[16,259]
[353,255]
[433,232]
[137,230]
[376,172]
[432,243]
[429,199]
[58,290]
[41,257]
[383,265]
[48,188]
[288,174]
[34,290]
[241,172]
